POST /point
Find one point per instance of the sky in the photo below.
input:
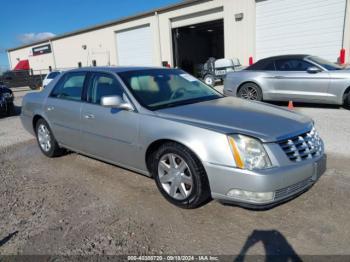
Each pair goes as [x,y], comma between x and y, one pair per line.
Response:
[24,21]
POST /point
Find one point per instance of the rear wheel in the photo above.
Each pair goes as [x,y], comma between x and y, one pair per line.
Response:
[47,142]
[250,91]
[180,176]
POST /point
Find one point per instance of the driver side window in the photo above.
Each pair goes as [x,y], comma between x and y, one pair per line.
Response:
[292,65]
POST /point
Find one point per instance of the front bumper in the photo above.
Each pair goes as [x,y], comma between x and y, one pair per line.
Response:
[285,182]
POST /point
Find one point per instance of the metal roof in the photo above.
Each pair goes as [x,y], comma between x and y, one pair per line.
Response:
[184,3]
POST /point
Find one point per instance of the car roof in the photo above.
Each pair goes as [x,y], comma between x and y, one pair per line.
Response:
[114,69]
[296,56]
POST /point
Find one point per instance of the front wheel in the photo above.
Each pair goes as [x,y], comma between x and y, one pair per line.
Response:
[347,101]
[10,110]
[250,91]
[47,142]
[180,176]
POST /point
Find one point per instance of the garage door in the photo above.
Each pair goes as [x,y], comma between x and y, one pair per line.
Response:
[134,47]
[299,27]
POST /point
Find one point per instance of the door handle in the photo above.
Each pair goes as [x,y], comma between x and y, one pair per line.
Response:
[50,108]
[89,116]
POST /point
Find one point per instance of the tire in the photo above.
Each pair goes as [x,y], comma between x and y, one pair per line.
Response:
[46,141]
[10,109]
[347,101]
[250,91]
[193,190]
[209,80]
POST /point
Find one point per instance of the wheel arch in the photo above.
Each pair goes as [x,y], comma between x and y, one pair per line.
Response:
[155,145]
[249,82]
[35,120]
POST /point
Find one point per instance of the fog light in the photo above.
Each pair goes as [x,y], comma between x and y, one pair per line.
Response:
[251,196]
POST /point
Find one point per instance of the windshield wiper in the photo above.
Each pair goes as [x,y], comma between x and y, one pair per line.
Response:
[186,102]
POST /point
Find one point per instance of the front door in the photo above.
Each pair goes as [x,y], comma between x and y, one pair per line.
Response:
[291,81]
[108,133]
[63,109]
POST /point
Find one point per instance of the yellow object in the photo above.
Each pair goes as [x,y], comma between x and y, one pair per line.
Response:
[235,152]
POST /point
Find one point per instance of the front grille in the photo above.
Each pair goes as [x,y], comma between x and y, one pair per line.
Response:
[284,192]
[302,147]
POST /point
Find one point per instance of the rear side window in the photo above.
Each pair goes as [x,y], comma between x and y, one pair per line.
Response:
[70,86]
[263,65]
[103,85]
[53,75]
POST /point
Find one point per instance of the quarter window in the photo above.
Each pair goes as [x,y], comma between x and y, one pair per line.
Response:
[292,65]
[53,75]
[70,86]
[103,85]
[262,65]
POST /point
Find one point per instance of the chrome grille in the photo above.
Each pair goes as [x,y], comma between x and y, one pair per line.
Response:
[284,192]
[302,147]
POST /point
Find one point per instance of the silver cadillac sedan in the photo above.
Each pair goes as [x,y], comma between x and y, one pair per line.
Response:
[166,124]
[301,78]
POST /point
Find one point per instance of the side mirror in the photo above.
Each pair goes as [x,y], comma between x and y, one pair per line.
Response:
[313,70]
[116,102]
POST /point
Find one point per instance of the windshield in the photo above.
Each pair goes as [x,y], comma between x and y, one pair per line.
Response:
[162,88]
[324,63]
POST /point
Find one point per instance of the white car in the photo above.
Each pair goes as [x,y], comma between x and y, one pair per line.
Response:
[49,77]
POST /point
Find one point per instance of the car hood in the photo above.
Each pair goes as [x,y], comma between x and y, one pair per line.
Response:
[4,89]
[231,115]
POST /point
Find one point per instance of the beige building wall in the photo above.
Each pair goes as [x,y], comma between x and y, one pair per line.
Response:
[41,62]
[239,36]
[193,14]
[100,45]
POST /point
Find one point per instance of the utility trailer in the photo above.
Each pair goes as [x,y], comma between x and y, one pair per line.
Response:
[215,70]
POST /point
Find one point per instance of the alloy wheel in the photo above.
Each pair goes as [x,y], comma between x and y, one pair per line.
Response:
[249,93]
[175,176]
[44,138]
[209,81]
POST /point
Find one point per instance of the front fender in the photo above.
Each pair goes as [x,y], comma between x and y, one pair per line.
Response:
[207,145]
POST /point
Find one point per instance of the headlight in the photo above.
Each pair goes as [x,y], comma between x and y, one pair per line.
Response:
[249,152]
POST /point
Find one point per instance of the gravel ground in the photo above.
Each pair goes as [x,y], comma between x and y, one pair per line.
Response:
[77,205]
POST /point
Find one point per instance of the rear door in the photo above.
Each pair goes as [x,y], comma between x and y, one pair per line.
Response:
[291,81]
[108,133]
[63,109]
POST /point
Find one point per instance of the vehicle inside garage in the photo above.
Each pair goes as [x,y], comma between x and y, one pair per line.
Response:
[193,45]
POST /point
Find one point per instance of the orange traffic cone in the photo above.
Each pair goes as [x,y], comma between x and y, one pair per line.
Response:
[290,105]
